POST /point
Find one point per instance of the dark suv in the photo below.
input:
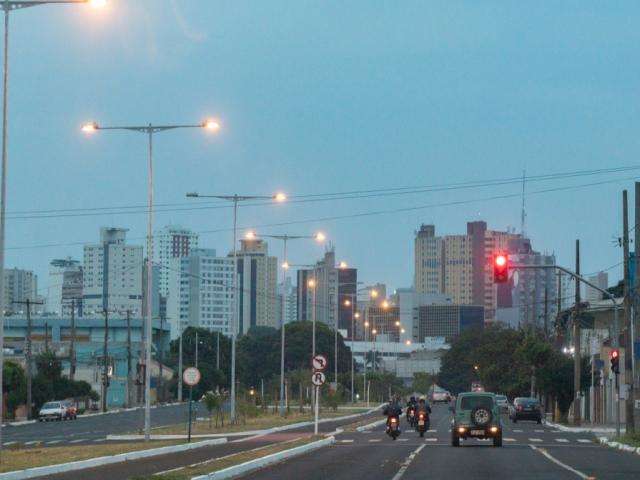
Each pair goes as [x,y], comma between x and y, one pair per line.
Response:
[526,409]
[476,415]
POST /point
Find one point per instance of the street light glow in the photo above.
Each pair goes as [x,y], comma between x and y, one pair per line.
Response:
[366,324]
[250,235]
[408,342]
[357,314]
[347,303]
[285,265]
[397,323]
[374,294]
[343,264]
[311,283]
[385,304]
[97,3]
[280,197]
[374,331]
[320,237]
[89,127]
[212,125]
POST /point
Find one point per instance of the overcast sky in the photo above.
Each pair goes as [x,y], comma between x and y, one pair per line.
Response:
[318,97]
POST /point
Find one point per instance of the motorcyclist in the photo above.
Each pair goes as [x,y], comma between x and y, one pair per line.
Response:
[411,405]
[423,408]
[392,409]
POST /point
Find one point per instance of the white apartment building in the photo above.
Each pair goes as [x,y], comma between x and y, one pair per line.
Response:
[112,275]
[290,294]
[201,292]
[601,279]
[172,241]
[65,285]
[19,286]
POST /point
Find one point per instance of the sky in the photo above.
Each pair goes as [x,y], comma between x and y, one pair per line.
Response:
[324,97]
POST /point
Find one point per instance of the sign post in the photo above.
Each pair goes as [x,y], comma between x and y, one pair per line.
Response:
[319,363]
[191,377]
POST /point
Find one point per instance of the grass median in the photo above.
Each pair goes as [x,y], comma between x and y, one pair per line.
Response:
[221,463]
[632,439]
[261,422]
[18,458]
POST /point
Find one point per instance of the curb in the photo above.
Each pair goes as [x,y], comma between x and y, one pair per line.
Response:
[258,463]
[369,426]
[129,438]
[100,461]
[619,446]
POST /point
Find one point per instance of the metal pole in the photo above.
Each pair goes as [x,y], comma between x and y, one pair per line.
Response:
[105,354]
[235,312]
[628,338]
[366,354]
[313,317]
[577,346]
[128,358]
[197,343]
[317,412]
[3,198]
[636,309]
[190,411]
[335,352]
[282,328]
[149,339]
[29,362]
[353,330]
[180,368]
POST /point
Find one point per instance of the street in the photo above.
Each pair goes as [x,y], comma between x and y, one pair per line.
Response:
[530,451]
[92,428]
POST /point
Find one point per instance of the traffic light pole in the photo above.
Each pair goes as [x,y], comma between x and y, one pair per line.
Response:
[615,340]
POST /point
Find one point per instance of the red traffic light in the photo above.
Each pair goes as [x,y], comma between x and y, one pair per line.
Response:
[614,354]
[500,268]
[614,358]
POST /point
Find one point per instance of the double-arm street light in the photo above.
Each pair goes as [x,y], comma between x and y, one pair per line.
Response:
[8,6]
[236,199]
[319,237]
[149,130]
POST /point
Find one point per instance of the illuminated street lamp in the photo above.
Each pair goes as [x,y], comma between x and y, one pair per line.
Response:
[236,200]
[148,130]
[8,6]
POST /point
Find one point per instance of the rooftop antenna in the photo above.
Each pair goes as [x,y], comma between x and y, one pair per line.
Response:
[523,215]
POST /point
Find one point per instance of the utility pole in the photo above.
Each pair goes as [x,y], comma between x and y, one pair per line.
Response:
[29,354]
[576,345]
[218,351]
[105,373]
[128,358]
[46,337]
[72,345]
[636,309]
[161,355]
[196,359]
[628,340]
[180,366]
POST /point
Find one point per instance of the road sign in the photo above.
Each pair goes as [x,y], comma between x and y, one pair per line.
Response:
[318,378]
[319,362]
[191,376]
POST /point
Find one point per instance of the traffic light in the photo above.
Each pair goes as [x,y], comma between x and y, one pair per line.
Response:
[500,268]
[614,357]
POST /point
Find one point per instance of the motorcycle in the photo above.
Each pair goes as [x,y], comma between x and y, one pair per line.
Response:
[393,429]
[423,423]
[411,416]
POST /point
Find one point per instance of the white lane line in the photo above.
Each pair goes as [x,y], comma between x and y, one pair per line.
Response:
[53,442]
[517,430]
[432,431]
[430,439]
[407,462]
[509,439]
[539,431]
[535,440]
[374,440]
[100,439]
[32,442]
[78,440]
[562,440]
[346,441]
[403,439]
[584,440]
[8,443]
[559,463]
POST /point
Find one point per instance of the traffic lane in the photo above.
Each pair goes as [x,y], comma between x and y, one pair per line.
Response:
[483,461]
[150,466]
[598,461]
[342,461]
[96,426]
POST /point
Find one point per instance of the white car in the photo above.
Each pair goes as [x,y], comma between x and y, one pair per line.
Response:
[52,411]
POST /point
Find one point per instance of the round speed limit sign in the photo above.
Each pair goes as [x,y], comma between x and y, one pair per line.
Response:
[318,378]
[191,376]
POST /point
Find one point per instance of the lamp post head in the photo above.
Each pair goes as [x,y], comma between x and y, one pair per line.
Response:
[211,124]
[97,3]
[320,237]
[347,303]
[90,127]
[311,283]
[374,294]
[285,265]
[250,235]
[357,314]
[280,197]
[343,265]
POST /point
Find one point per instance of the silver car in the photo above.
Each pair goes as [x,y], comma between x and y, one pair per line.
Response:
[503,403]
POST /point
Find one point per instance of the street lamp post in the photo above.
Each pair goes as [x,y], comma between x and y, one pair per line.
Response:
[285,267]
[236,199]
[149,130]
[8,6]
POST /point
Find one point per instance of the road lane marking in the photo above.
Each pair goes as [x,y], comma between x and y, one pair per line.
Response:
[584,440]
[53,442]
[559,463]
[517,430]
[535,440]
[99,439]
[78,440]
[509,439]
[562,440]
[539,431]
[373,440]
[430,439]
[346,441]
[407,462]
[32,442]
[432,431]
[8,443]
[403,439]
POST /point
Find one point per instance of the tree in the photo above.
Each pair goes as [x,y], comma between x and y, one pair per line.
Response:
[422,382]
[213,402]
[14,386]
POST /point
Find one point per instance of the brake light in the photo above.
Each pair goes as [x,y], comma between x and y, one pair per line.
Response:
[393,420]
[519,408]
[422,416]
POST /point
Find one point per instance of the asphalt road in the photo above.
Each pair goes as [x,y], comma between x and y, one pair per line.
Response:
[530,451]
[93,428]
[167,463]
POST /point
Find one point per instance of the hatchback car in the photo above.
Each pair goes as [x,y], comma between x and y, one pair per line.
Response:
[52,411]
[476,415]
[526,409]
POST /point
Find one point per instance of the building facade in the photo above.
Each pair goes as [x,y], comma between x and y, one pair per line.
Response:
[20,286]
[171,242]
[601,279]
[65,286]
[287,298]
[448,321]
[201,292]
[112,275]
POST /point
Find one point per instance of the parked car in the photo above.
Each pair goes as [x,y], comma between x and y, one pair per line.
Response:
[52,411]
[526,409]
[476,415]
[503,403]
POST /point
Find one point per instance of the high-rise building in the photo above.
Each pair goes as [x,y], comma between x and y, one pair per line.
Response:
[347,293]
[448,320]
[289,292]
[385,322]
[65,286]
[112,275]
[459,265]
[19,286]
[304,296]
[200,292]
[257,282]
[408,301]
[171,242]
[601,279]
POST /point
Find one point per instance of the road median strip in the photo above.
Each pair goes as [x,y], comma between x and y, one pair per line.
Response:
[619,445]
[105,460]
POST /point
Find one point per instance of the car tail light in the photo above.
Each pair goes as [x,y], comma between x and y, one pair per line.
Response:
[519,408]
